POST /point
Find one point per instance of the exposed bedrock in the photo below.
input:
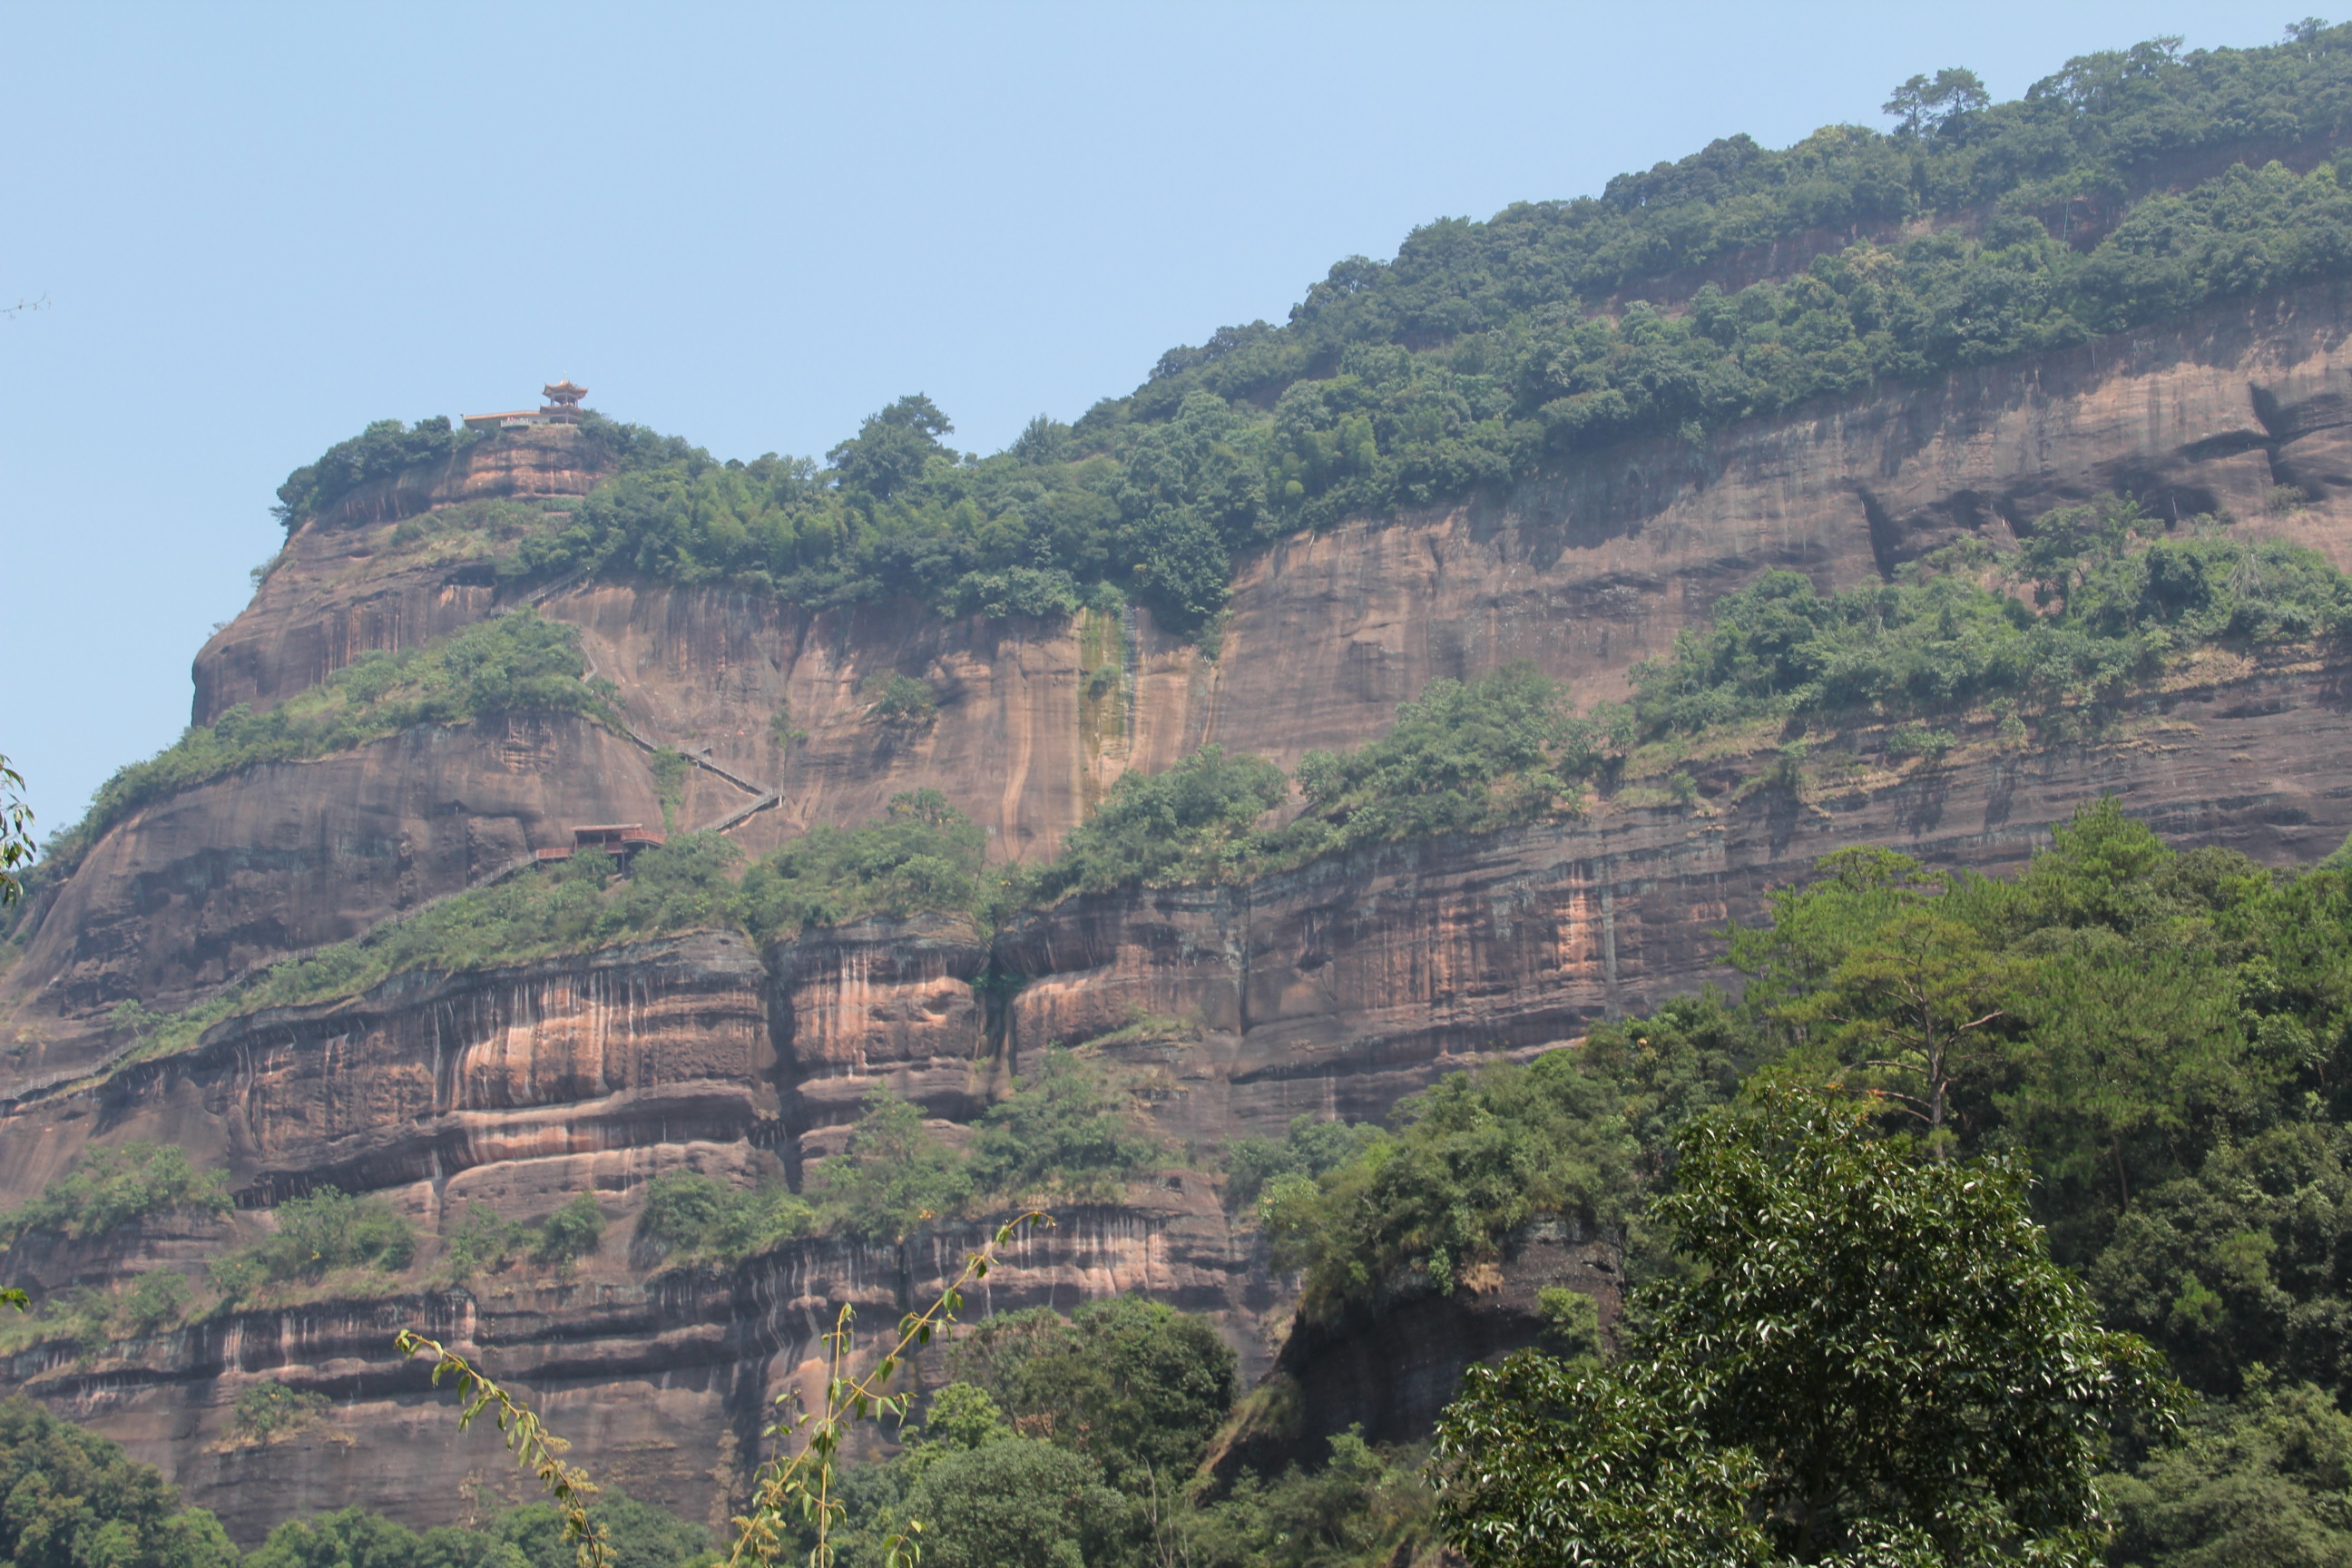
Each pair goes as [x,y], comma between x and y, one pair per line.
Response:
[441,1086]
[663,1387]
[1594,568]
[1390,1371]
[193,890]
[1333,989]
[880,1005]
[1330,990]
[340,589]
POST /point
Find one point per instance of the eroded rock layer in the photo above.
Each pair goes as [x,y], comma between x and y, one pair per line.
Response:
[1330,990]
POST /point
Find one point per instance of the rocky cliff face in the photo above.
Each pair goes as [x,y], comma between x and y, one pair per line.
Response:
[1584,574]
[1330,990]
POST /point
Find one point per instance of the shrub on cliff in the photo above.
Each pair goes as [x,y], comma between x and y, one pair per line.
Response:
[105,1189]
[689,1216]
[1463,757]
[1192,822]
[1460,758]
[891,1179]
[317,1235]
[572,1232]
[2127,594]
[575,906]
[1469,1162]
[268,1409]
[923,854]
[1064,1134]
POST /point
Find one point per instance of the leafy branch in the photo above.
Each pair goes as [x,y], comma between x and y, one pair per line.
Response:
[804,1483]
[801,1487]
[535,1448]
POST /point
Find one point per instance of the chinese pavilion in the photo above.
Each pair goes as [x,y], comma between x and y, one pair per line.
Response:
[562,407]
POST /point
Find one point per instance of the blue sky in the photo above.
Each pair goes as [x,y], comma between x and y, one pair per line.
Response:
[251,230]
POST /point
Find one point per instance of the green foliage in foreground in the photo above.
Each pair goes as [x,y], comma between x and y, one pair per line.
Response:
[641,1536]
[1070,1440]
[2265,1480]
[2127,595]
[1873,1359]
[15,834]
[1488,350]
[1135,1385]
[512,663]
[105,1189]
[74,1500]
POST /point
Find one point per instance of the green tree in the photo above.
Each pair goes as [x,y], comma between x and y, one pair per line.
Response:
[73,1500]
[1192,821]
[105,1189]
[892,1178]
[16,845]
[687,1215]
[1926,105]
[1361,1508]
[1018,1502]
[572,1232]
[1914,1007]
[1136,1385]
[2262,1483]
[893,448]
[1060,1135]
[317,1234]
[1871,1354]
[1471,1160]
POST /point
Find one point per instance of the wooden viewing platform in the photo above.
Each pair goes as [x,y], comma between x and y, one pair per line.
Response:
[620,838]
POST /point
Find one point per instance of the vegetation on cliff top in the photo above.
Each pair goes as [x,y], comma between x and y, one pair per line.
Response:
[2121,594]
[1488,350]
[105,1189]
[513,663]
[1484,351]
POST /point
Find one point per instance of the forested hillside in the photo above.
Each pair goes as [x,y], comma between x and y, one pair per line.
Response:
[2125,188]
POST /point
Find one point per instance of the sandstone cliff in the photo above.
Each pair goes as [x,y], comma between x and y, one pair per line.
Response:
[1330,990]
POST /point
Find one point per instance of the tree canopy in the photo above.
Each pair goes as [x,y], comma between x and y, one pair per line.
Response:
[1871,1357]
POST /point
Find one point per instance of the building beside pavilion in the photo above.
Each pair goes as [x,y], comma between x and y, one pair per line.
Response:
[562,407]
